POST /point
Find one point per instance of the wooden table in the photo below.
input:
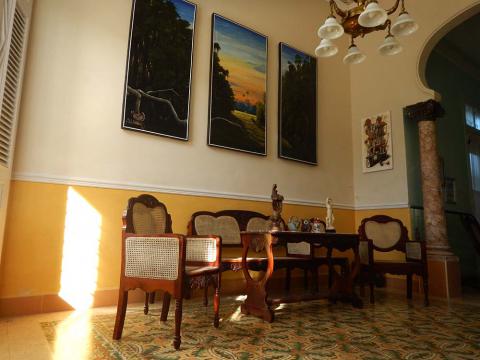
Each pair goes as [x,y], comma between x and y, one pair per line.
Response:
[258,301]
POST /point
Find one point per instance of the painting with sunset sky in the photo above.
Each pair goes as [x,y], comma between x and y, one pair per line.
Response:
[238,83]
[297,105]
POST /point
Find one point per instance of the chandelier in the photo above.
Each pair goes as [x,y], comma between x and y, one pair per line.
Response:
[363,17]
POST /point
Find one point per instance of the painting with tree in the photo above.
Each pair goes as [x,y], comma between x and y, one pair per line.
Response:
[297,105]
[157,87]
[238,82]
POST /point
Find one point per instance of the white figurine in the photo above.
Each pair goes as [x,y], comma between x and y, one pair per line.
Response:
[330,218]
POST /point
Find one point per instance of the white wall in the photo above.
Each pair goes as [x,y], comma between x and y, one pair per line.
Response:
[391,83]
[72,106]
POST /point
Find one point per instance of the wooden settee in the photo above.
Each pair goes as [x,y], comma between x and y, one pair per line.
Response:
[228,224]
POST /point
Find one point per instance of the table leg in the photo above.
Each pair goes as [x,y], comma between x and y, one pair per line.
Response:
[343,285]
[256,302]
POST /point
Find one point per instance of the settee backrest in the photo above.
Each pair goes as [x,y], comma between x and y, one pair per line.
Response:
[227,224]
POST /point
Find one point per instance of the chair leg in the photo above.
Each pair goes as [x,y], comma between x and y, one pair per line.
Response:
[425,289]
[178,322]
[362,289]
[409,286]
[152,297]
[121,311]
[371,283]
[216,302]
[330,276]
[165,306]
[287,279]
[205,294]
[315,278]
[305,278]
[147,299]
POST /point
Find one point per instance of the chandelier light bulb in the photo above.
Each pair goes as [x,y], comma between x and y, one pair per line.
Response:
[326,48]
[404,25]
[354,56]
[331,29]
[372,16]
[390,46]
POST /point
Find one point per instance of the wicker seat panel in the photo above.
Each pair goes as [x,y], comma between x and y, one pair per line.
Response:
[201,249]
[224,226]
[259,224]
[383,235]
[152,258]
[363,252]
[413,250]
[301,248]
[149,220]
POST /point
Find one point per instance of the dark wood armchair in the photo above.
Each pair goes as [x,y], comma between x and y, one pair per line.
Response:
[384,233]
[153,260]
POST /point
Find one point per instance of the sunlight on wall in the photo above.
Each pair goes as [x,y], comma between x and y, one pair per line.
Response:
[80,252]
[73,337]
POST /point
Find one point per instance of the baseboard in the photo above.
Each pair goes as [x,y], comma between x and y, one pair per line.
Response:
[30,305]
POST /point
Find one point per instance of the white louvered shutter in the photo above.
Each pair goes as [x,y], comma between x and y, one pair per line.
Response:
[11,84]
[14,25]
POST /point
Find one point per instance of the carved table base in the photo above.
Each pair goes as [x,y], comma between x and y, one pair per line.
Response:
[258,302]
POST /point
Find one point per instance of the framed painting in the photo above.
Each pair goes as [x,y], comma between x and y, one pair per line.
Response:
[377,143]
[238,87]
[297,138]
[159,68]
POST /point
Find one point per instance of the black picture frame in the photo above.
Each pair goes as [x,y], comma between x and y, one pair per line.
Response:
[157,91]
[237,115]
[297,105]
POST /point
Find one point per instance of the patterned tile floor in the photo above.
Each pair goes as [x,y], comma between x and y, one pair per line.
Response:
[391,329]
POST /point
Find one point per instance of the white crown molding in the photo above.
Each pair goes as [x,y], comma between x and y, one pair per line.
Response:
[63,180]
[382,206]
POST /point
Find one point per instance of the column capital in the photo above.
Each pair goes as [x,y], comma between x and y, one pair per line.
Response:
[426,110]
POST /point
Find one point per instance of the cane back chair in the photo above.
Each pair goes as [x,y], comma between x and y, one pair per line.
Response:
[383,233]
[155,260]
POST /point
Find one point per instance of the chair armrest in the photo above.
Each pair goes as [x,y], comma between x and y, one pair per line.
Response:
[156,256]
[415,250]
[204,250]
[365,251]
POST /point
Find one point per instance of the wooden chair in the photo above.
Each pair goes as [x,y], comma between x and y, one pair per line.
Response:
[153,260]
[305,251]
[384,233]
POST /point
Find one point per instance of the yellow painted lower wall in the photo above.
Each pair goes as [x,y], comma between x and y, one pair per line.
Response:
[66,240]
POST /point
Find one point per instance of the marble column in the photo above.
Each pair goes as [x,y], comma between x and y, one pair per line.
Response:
[443,264]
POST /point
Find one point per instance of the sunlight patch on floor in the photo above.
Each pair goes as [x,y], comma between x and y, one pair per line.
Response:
[73,338]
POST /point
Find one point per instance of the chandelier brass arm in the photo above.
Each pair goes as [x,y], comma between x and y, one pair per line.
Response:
[362,18]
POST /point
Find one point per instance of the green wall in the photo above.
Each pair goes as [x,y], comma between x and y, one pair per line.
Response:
[457,88]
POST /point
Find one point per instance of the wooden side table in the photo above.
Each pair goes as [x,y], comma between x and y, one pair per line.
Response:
[258,301]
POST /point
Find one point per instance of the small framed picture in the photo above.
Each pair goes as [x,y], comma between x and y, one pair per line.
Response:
[377,143]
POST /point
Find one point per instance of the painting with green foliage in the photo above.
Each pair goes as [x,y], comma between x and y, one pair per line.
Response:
[297,106]
[157,87]
[238,83]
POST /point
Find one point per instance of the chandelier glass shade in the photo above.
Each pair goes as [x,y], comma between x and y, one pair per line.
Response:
[354,56]
[362,18]
[326,48]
